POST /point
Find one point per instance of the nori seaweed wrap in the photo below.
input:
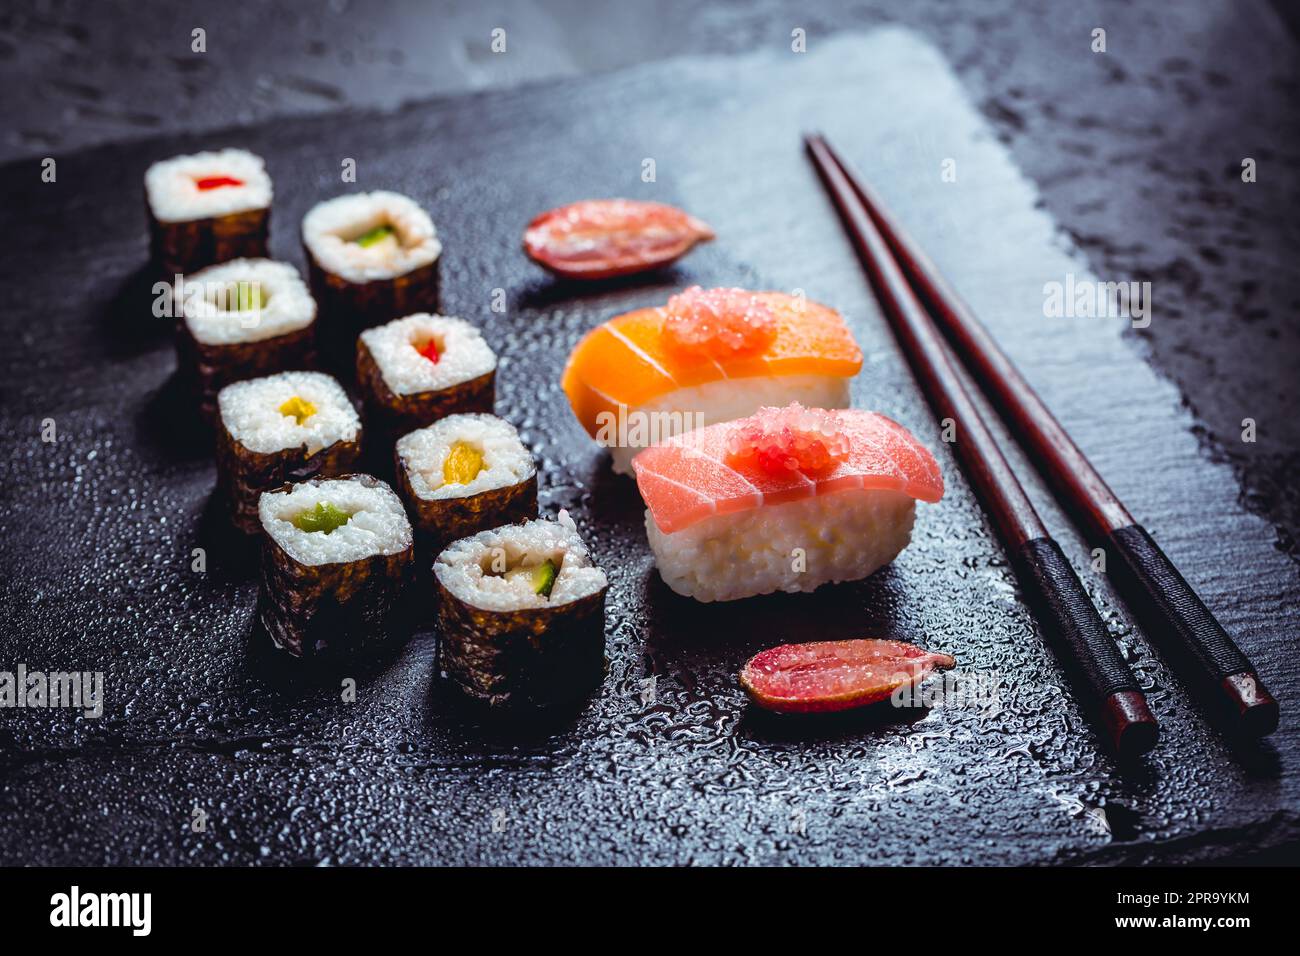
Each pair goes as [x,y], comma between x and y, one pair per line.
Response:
[336,558]
[207,208]
[465,474]
[285,427]
[521,613]
[416,370]
[242,319]
[371,257]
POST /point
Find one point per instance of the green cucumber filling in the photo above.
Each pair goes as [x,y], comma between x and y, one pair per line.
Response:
[540,577]
[249,297]
[372,237]
[325,518]
[243,296]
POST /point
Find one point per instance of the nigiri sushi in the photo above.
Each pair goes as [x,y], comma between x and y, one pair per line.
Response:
[785,500]
[707,356]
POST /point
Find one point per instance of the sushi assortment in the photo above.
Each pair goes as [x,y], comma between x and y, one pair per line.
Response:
[730,407]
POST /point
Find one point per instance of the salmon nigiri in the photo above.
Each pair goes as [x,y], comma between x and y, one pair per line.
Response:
[706,356]
[785,500]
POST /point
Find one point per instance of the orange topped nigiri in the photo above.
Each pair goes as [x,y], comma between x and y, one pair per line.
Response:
[707,356]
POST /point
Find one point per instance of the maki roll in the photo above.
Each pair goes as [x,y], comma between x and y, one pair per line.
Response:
[521,611]
[284,427]
[464,474]
[207,208]
[242,319]
[371,257]
[416,370]
[337,555]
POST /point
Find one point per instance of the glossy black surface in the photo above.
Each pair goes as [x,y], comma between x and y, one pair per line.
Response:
[667,763]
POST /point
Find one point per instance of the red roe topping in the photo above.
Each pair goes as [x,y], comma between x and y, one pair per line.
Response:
[782,441]
[430,351]
[721,323]
[216,182]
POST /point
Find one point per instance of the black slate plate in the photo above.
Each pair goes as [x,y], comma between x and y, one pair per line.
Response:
[666,763]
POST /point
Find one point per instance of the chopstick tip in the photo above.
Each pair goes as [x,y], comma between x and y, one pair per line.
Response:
[1132,726]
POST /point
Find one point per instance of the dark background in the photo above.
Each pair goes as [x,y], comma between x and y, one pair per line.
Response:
[1128,165]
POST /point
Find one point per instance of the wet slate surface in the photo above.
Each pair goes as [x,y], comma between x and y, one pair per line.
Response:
[100,525]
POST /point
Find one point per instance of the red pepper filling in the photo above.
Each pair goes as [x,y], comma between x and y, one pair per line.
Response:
[216,182]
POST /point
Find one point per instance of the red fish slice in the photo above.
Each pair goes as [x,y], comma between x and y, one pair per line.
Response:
[600,238]
[690,477]
[828,676]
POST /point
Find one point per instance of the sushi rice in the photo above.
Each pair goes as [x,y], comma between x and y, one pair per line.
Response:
[844,536]
[250,413]
[472,569]
[172,190]
[463,474]
[423,454]
[206,295]
[377,526]
[330,229]
[464,354]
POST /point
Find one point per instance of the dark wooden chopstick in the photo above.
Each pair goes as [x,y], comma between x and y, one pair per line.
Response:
[1163,602]
[1108,688]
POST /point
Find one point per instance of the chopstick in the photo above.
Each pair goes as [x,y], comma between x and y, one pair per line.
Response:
[1107,688]
[1164,603]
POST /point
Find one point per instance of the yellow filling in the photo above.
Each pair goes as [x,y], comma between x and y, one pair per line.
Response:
[298,409]
[463,464]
